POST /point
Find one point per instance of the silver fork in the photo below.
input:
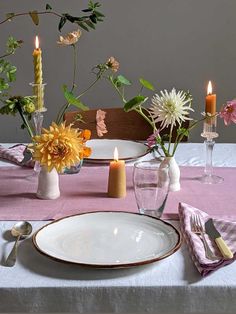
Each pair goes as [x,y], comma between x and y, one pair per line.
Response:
[197,227]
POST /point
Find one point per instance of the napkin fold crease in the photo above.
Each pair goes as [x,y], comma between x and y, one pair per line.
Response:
[227,229]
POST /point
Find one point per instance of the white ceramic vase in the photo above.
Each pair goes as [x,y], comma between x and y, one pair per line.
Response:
[48,184]
[174,173]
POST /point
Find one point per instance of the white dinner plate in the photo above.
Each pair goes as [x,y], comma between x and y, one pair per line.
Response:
[103,150]
[108,239]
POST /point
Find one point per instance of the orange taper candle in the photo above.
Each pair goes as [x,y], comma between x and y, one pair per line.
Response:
[117,177]
[210,100]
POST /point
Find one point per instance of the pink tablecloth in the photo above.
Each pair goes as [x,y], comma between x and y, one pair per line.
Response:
[86,191]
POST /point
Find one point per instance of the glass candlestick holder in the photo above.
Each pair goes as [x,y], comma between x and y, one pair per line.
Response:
[38,115]
[209,133]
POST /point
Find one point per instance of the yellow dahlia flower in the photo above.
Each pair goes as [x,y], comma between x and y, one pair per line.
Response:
[60,146]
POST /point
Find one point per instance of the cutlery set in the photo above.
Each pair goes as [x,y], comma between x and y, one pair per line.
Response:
[210,229]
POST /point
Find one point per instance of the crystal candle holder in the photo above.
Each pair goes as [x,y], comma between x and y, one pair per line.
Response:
[38,115]
[209,133]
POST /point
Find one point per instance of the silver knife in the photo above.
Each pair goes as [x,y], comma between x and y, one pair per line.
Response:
[215,235]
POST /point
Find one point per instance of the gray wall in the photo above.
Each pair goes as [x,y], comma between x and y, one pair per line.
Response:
[172,43]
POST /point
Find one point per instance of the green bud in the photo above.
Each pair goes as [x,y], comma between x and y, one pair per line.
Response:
[29,107]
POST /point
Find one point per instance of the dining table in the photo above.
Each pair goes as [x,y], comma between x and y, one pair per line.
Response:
[173,285]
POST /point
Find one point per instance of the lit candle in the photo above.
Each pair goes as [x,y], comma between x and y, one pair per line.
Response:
[210,100]
[37,56]
[117,177]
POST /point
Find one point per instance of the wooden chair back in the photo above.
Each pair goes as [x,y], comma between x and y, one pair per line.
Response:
[120,124]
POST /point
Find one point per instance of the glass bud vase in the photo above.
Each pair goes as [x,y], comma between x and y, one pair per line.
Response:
[48,184]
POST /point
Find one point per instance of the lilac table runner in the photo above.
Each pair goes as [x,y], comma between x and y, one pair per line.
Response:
[86,192]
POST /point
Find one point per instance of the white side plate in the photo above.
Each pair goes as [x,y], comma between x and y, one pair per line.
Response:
[108,239]
[103,150]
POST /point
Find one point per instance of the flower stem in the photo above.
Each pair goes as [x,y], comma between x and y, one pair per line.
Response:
[67,105]
[31,134]
[27,13]
[75,66]
[170,137]
[90,86]
[6,55]
[140,111]
[121,94]
[180,137]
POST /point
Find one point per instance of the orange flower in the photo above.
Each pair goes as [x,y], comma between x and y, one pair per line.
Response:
[86,134]
[60,146]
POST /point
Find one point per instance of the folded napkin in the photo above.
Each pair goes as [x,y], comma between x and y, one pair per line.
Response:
[17,154]
[227,229]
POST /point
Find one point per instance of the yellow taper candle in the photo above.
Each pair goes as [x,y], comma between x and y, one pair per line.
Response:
[37,56]
[38,77]
[117,177]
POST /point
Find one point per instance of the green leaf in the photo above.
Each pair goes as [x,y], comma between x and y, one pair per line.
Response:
[91,4]
[11,76]
[93,18]
[83,26]
[48,7]
[13,44]
[183,131]
[34,16]
[99,14]
[146,84]
[70,18]
[123,80]
[90,24]
[134,102]
[72,100]
[97,5]
[87,10]
[62,22]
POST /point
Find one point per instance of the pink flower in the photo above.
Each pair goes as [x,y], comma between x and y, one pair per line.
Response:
[101,126]
[228,112]
[151,140]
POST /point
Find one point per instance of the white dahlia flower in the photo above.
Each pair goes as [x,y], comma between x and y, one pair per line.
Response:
[170,107]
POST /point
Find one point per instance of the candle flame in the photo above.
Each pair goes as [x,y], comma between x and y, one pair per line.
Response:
[209,88]
[36,42]
[116,154]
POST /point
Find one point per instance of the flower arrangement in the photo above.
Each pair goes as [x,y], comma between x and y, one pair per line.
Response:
[167,109]
[60,146]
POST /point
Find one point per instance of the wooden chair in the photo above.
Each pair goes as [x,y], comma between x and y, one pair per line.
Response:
[120,124]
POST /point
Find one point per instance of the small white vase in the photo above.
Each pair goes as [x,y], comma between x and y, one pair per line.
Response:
[174,173]
[48,184]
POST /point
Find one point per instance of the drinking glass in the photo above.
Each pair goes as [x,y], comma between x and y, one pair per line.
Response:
[151,186]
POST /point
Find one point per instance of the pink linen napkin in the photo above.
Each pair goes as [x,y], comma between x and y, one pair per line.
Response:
[227,230]
[16,154]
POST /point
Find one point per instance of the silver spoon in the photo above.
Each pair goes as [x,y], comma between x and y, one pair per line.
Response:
[20,229]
